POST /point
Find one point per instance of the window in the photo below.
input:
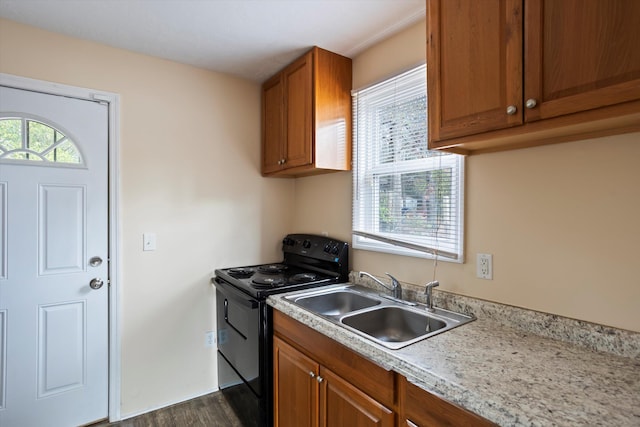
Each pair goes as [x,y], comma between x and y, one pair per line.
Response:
[406,200]
[23,139]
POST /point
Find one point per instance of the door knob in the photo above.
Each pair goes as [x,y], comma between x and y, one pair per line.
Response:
[95,261]
[531,103]
[511,110]
[96,283]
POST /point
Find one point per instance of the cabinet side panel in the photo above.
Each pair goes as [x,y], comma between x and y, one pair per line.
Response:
[333,75]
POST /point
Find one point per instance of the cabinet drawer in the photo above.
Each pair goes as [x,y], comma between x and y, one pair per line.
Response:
[421,408]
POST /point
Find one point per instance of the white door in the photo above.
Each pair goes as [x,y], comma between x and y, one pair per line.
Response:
[53,229]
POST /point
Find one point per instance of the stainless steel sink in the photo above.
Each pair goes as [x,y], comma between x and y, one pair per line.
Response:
[388,322]
[393,324]
[336,303]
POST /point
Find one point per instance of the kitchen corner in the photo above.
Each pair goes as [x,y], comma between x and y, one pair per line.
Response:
[511,366]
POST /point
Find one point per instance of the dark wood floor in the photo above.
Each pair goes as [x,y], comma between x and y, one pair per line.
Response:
[211,410]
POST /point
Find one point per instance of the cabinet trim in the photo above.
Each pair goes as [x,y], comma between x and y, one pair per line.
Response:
[613,120]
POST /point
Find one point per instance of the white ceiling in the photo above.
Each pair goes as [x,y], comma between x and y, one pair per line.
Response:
[248,38]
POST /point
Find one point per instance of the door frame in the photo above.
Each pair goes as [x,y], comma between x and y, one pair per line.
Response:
[112,100]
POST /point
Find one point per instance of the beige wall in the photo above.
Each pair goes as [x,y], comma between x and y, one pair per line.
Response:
[561,221]
[190,148]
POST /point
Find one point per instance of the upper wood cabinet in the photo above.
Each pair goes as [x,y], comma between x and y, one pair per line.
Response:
[306,116]
[505,74]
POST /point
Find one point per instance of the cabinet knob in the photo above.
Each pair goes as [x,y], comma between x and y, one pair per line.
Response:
[312,374]
[319,379]
[511,110]
[531,103]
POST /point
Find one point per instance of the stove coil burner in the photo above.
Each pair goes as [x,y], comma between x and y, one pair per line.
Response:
[303,278]
[272,268]
[268,282]
[240,273]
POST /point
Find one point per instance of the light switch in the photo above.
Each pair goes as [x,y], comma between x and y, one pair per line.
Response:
[149,242]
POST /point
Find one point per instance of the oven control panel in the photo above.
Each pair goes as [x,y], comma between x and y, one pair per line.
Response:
[314,246]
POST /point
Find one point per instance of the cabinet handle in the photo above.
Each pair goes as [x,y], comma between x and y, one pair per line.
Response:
[319,379]
[531,103]
[511,110]
[284,161]
[311,374]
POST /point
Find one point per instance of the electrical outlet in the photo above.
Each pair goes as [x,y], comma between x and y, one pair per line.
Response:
[209,339]
[484,266]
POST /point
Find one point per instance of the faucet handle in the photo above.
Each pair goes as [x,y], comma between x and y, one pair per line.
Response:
[427,291]
[394,281]
[431,285]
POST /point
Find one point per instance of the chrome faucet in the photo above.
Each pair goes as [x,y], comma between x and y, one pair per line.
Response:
[427,291]
[395,288]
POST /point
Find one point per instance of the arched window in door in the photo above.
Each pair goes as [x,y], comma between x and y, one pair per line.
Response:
[30,140]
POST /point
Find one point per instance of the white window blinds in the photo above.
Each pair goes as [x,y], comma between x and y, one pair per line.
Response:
[406,199]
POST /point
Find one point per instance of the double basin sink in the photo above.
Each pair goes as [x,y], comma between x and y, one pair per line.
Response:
[387,321]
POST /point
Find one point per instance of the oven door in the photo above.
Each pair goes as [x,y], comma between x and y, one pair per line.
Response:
[238,328]
[242,375]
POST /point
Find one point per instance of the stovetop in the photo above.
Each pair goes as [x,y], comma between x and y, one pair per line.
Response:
[309,261]
[266,279]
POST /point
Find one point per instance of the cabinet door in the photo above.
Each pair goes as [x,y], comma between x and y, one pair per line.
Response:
[580,55]
[423,409]
[295,387]
[272,124]
[298,86]
[474,66]
[342,404]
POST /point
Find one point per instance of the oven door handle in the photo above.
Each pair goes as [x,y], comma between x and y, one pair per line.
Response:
[237,296]
[226,319]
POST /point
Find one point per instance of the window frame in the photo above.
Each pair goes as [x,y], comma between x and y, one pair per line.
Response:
[366,221]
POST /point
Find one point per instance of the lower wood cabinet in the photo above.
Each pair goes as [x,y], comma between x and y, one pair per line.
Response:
[296,390]
[321,383]
[419,408]
[308,394]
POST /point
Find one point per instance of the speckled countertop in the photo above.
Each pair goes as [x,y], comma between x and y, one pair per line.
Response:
[510,373]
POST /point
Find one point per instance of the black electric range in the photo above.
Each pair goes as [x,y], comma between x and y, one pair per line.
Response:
[244,320]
